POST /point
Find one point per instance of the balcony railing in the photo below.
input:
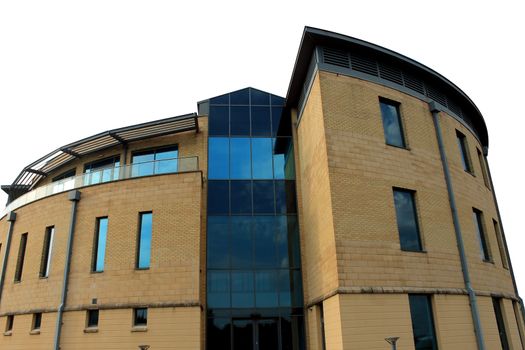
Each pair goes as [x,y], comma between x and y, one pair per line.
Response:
[162,166]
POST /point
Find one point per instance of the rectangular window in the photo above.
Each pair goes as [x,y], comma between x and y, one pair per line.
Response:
[21,256]
[422,322]
[144,240]
[463,152]
[407,222]
[102,170]
[483,166]
[45,262]
[37,321]
[65,175]
[392,125]
[99,247]
[496,302]
[482,237]
[140,316]
[92,319]
[9,323]
[155,161]
[321,325]
[501,245]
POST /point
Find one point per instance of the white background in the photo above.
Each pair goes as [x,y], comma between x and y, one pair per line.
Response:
[70,69]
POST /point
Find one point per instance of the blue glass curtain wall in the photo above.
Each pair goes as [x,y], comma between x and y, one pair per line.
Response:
[254,283]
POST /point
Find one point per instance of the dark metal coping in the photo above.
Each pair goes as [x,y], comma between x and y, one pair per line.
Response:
[313,37]
[40,168]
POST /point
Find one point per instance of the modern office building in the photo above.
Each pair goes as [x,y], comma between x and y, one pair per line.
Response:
[359,207]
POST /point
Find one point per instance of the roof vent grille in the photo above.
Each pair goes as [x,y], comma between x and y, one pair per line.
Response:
[414,83]
[436,95]
[336,57]
[390,73]
[364,64]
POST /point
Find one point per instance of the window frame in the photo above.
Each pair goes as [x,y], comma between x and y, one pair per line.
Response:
[416,218]
[136,315]
[21,258]
[501,245]
[89,313]
[37,319]
[483,165]
[464,153]
[431,317]
[481,233]
[139,236]
[47,252]
[96,240]
[503,332]
[397,105]
[9,322]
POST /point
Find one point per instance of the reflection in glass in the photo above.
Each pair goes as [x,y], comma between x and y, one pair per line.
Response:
[242,242]
[276,119]
[218,285]
[144,249]
[285,197]
[155,161]
[240,160]
[263,197]
[240,97]
[218,333]
[422,322]
[102,170]
[268,334]
[241,197]
[218,246]
[240,120]
[219,157]
[266,289]
[262,158]
[265,242]
[242,289]
[259,97]
[407,220]
[243,335]
[100,244]
[392,123]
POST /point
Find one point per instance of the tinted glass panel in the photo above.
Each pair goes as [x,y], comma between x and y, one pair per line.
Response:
[281,240]
[144,252]
[261,121]
[407,220]
[243,335]
[265,242]
[277,101]
[218,197]
[47,251]
[166,160]
[142,164]
[297,289]
[218,288]
[102,170]
[285,197]
[241,97]
[240,160]
[242,242]
[263,197]
[218,248]
[262,158]
[37,321]
[242,289]
[219,157]
[240,120]
[496,303]
[21,257]
[463,151]
[220,100]
[259,97]
[92,318]
[422,322]
[219,121]
[478,223]
[268,334]
[266,289]
[392,124]
[141,317]
[100,244]
[276,119]
[241,197]
[293,241]
[218,334]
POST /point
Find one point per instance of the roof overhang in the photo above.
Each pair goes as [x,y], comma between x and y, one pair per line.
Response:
[313,37]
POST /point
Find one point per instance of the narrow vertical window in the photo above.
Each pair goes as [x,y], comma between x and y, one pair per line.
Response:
[321,326]
[140,316]
[496,302]
[483,166]
[144,241]
[501,245]
[392,125]
[37,321]
[9,323]
[482,237]
[99,249]
[422,322]
[45,262]
[21,256]
[407,224]
[463,151]
[92,319]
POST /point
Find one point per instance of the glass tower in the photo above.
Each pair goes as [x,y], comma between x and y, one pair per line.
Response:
[254,285]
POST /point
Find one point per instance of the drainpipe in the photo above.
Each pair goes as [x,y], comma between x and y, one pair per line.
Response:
[11,218]
[462,256]
[485,153]
[74,197]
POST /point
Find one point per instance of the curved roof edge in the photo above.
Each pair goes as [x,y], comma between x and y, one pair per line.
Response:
[313,37]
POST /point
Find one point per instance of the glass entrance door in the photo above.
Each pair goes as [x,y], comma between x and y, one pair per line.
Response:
[255,334]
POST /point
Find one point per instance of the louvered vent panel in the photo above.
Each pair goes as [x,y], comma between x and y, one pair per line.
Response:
[364,64]
[414,83]
[336,57]
[436,95]
[390,73]
[454,108]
